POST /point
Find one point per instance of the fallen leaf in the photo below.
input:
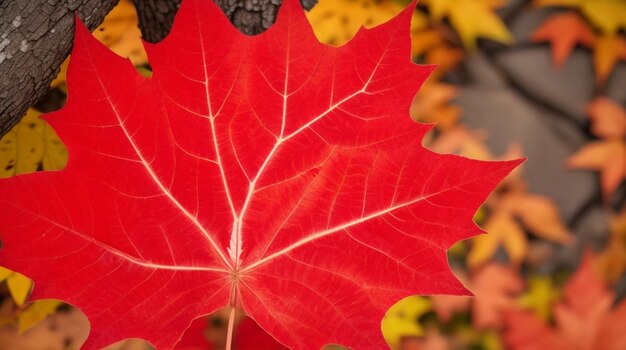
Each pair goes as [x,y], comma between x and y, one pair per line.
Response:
[19,286]
[538,214]
[526,332]
[504,232]
[608,119]
[496,288]
[460,140]
[432,105]
[541,216]
[564,32]
[608,17]
[584,319]
[120,32]
[472,19]
[608,156]
[540,296]
[402,320]
[31,145]
[612,260]
[35,313]
[335,22]
[270,173]
[609,50]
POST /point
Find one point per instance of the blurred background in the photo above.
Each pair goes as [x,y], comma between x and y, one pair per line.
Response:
[543,79]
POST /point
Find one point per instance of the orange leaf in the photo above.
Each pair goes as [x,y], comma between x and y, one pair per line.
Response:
[612,260]
[432,105]
[461,141]
[607,157]
[120,32]
[608,119]
[564,32]
[541,216]
[509,206]
[503,230]
[446,57]
[496,288]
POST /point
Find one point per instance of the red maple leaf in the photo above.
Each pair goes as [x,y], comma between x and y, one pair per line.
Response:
[272,173]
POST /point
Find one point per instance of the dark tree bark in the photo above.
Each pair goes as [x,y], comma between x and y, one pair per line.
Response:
[156,17]
[36,36]
[249,16]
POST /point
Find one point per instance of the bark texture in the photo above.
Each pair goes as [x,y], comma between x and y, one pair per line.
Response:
[36,36]
[156,17]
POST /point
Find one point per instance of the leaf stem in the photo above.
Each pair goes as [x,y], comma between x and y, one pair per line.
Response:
[231,324]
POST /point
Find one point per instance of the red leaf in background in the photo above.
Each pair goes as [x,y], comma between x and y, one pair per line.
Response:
[564,32]
[271,172]
[584,320]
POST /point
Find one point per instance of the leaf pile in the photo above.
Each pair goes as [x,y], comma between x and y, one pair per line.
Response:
[607,155]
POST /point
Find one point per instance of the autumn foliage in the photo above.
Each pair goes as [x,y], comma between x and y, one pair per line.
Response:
[281,176]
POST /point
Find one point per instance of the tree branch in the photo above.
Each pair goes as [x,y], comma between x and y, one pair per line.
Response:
[36,36]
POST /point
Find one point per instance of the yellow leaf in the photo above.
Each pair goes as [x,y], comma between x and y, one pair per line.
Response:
[20,288]
[19,285]
[491,341]
[401,320]
[55,153]
[336,21]
[35,313]
[472,19]
[4,273]
[608,16]
[541,215]
[540,296]
[120,32]
[502,231]
[608,50]
[30,145]
[564,3]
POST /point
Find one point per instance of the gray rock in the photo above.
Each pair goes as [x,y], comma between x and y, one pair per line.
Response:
[547,141]
[592,229]
[568,89]
[526,23]
[481,71]
[511,8]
